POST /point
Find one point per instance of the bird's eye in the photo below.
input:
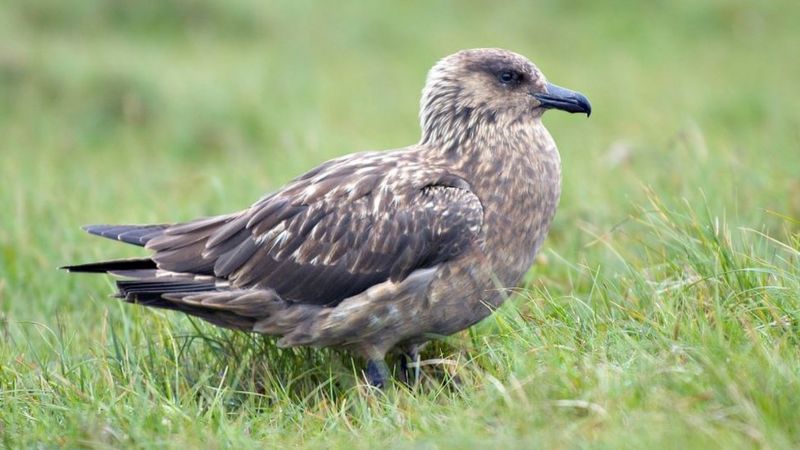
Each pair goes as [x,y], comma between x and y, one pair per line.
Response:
[508,77]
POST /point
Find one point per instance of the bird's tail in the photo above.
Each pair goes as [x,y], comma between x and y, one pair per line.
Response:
[201,295]
[204,297]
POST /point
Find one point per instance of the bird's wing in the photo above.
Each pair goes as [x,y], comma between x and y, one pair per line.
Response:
[334,232]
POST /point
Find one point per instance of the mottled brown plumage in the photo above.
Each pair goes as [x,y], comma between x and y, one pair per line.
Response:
[378,250]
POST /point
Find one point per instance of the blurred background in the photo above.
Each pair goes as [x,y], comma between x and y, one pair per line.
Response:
[129,111]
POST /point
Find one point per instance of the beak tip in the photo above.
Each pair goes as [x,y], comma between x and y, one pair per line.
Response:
[583,102]
[557,97]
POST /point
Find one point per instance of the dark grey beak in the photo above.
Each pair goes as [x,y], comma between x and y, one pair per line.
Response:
[557,97]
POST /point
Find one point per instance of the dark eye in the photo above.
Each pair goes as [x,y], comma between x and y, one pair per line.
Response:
[508,77]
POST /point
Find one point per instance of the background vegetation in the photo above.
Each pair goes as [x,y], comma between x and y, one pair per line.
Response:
[663,312]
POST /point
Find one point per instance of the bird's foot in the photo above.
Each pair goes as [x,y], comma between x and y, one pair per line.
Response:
[377,373]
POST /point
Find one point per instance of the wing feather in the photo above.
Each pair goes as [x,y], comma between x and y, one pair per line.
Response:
[334,232]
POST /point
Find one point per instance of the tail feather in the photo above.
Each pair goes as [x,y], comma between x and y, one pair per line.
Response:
[115,265]
[185,281]
[131,234]
[131,290]
[237,309]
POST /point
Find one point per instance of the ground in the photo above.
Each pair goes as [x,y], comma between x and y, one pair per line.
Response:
[663,311]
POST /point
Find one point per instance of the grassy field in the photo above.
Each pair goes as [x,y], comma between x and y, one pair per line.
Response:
[664,311]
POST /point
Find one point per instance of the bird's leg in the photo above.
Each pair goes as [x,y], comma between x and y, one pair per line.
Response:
[377,373]
[409,361]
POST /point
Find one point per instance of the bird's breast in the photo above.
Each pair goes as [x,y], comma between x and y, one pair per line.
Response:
[519,194]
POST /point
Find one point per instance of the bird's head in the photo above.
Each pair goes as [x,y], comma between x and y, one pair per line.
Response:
[487,86]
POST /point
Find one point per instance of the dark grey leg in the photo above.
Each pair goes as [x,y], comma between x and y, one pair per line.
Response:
[377,373]
[409,364]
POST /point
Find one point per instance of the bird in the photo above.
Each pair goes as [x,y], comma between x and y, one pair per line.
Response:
[380,251]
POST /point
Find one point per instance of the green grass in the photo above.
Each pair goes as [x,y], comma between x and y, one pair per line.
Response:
[664,311]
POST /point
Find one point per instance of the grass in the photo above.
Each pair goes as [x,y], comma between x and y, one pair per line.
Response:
[663,312]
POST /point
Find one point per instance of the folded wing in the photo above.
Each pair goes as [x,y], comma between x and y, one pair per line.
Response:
[348,225]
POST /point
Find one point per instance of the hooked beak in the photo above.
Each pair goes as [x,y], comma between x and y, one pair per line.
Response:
[557,97]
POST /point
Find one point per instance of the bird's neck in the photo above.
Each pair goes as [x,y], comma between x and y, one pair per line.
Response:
[449,128]
[490,145]
[521,158]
